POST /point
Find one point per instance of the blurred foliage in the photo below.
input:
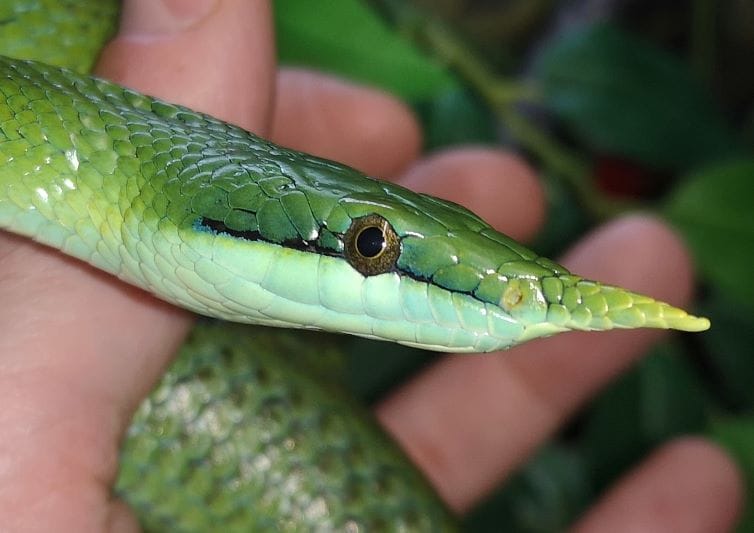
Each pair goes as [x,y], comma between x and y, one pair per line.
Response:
[736,434]
[456,116]
[713,208]
[665,118]
[347,38]
[729,372]
[545,495]
[662,397]
[629,104]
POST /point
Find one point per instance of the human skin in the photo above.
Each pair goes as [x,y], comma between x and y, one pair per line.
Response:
[80,350]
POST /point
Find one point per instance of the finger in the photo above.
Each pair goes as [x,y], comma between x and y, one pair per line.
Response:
[502,188]
[356,125]
[197,53]
[469,420]
[689,486]
[636,252]
[79,349]
[213,56]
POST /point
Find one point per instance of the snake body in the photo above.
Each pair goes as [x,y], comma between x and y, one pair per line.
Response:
[214,219]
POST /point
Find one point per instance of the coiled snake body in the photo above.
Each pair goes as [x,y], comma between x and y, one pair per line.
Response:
[216,220]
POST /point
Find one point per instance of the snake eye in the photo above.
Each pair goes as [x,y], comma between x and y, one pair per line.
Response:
[371,245]
[370,242]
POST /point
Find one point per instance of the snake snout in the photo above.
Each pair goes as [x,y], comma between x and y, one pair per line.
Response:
[576,303]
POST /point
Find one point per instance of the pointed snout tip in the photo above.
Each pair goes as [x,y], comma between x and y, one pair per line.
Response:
[687,322]
[649,313]
[594,306]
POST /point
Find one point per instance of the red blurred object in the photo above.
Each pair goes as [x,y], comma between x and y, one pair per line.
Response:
[622,178]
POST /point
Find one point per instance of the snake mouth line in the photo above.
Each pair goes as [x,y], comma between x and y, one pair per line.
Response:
[511,297]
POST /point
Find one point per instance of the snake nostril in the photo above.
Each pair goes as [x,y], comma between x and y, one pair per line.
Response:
[512,296]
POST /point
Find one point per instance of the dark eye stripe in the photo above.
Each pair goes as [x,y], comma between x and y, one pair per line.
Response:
[316,247]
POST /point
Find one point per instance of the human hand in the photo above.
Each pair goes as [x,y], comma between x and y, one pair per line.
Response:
[80,350]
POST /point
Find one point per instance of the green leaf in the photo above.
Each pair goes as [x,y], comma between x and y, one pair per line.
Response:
[456,116]
[546,495]
[566,221]
[623,96]
[374,368]
[713,209]
[349,39]
[728,347]
[660,398]
[737,436]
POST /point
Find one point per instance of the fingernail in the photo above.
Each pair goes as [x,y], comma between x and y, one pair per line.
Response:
[153,18]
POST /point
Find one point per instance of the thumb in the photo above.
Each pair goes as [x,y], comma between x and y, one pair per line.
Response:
[194,53]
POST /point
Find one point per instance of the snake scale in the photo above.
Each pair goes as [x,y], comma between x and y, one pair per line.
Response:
[240,435]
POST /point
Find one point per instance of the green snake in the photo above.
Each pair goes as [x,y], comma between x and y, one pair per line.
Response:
[216,220]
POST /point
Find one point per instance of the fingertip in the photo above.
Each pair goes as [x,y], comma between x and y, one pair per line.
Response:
[353,124]
[156,18]
[713,463]
[215,57]
[638,252]
[498,186]
[688,485]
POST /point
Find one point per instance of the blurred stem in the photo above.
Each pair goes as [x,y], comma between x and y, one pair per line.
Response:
[506,97]
[703,37]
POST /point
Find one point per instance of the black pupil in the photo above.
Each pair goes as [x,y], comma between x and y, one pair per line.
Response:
[370,242]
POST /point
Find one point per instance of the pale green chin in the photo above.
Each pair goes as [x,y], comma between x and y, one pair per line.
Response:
[213,275]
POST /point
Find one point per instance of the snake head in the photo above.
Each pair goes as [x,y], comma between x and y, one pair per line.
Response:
[301,242]
[327,248]
[464,286]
